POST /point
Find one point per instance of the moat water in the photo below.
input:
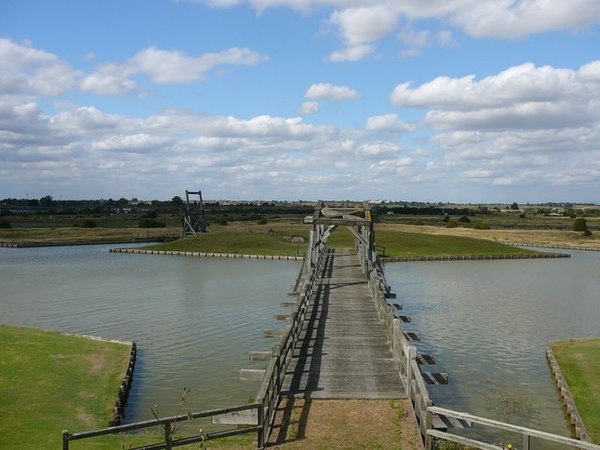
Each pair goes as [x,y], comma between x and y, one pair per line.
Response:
[195,321]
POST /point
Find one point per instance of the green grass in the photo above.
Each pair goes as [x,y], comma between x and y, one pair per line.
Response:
[398,243]
[274,240]
[579,362]
[50,382]
[259,242]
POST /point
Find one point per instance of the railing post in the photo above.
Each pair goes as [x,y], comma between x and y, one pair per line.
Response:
[168,440]
[526,442]
[260,439]
[411,354]
[428,425]
[65,435]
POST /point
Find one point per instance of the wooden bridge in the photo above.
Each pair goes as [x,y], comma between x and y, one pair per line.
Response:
[343,339]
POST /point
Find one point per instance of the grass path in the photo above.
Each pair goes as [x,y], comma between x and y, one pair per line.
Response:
[579,362]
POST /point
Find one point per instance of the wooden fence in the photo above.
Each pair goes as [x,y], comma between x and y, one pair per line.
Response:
[526,434]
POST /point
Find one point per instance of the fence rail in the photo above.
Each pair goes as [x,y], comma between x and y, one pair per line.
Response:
[526,433]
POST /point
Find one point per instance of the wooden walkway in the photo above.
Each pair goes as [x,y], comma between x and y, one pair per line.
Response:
[343,352]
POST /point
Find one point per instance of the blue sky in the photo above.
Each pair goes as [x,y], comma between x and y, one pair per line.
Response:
[477,101]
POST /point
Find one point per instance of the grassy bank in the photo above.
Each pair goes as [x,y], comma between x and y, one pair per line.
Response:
[276,239]
[77,235]
[50,382]
[579,362]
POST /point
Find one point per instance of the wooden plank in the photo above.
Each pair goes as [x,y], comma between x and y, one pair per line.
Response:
[403,318]
[260,355]
[278,332]
[412,335]
[398,306]
[424,359]
[252,374]
[281,316]
[246,417]
[435,377]
[289,304]
[444,423]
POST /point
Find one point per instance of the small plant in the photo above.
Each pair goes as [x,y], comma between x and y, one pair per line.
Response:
[418,222]
[262,221]
[5,223]
[464,219]
[481,226]
[581,225]
[509,403]
[452,224]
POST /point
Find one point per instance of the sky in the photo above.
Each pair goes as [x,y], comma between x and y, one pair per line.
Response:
[469,101]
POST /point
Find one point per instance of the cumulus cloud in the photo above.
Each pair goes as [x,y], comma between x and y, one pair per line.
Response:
[308,108]
[361,23]
[388,122]
[28,71]
[331,92]
[521,97]
[163,67]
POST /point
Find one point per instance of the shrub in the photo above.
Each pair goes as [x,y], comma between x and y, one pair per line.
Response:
[151,215]
[151,223]
[464,219]
[580,225]
[418,222]
[88,223]
[5,223]
[452,224]
[262,221]
[481,226]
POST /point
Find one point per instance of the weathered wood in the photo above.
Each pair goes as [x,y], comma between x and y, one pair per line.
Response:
[246,417]
[278,332]
[261,355]
[281,316]
[342,351]
[252,374]
[424,359]
[435,377]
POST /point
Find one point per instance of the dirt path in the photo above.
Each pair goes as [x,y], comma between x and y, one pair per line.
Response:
[346,424]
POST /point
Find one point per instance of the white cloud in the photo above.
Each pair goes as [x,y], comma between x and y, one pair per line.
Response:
[388,122]
[308,108]
[25,70]
[163,67]
[354,53]
[331,92]
[361,23]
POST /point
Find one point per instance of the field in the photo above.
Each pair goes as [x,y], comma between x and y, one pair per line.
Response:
[579,362]
[50,382]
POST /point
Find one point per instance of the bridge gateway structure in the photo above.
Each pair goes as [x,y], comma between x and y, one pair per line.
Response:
[343,339]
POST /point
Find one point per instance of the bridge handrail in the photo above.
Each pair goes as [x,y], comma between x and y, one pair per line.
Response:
[526,433]
[270,389]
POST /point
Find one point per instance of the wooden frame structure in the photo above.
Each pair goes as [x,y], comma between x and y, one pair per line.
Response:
[193,218]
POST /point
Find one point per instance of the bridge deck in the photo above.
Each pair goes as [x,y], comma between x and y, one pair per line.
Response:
[343,352]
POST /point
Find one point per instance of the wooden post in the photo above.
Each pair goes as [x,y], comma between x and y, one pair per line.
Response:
[65,435]
[526,442]
[260,440]
[168,442]
[410,356]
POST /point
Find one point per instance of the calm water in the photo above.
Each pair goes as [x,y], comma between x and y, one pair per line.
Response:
[489,323]
[194,320]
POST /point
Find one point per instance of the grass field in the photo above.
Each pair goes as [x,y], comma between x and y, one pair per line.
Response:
[50,382]
[579,362]
[275,239]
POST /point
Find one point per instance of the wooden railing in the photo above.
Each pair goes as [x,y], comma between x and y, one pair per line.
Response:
[270,390]
[526,433]
[167,425]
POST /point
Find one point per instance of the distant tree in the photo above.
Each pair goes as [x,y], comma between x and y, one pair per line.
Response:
[122,202]
[581,225]
[481,226]
[514,206]
[151,223]
[46,201]
[464,219]
[177,201]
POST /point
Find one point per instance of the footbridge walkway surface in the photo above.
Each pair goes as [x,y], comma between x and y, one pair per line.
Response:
[342,351]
